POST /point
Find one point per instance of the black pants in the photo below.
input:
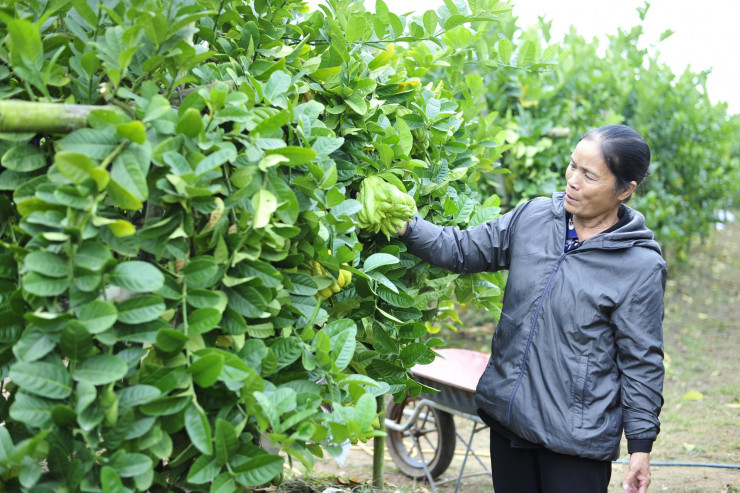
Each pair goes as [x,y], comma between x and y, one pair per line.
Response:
[538,470]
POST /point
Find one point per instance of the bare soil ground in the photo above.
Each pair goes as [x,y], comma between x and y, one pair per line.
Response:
[701,415]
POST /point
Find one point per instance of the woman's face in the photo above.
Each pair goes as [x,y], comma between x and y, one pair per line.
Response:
[590,192]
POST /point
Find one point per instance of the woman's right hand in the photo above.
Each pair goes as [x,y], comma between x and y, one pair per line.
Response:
[402,231]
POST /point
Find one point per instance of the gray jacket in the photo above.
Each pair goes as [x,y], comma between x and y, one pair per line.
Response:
[577,356]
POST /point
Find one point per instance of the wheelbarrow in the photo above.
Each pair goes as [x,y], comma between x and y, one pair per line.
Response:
[427,421]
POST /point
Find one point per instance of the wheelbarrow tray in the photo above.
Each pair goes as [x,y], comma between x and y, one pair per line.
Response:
[455,373]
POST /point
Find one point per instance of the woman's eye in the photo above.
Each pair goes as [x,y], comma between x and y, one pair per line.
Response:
[589,177]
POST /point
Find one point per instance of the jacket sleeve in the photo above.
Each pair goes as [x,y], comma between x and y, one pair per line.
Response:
[485,247]
[638,325]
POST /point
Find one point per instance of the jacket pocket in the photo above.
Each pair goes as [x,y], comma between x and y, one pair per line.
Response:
[578,390]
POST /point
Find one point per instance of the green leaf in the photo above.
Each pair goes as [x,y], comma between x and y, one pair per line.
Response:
[204,298]
[129,174]
[484,215]
[203,470]
[76,343]
[137,276]
[264,203]
[141,309]
[357,102]
[430,21]
[98,316]
[287,350]
[92,256]
[406,140]
[527,54]
[190,123]
[385,342]
[6,444]
[416,353]
[276,88]
[201,272]
[261,469]
[397,299]
[247,301]
[171,341]
[48,380]
[356,26]
[365,411]
[166,406]
[93,143]
[74,166]
[33,345]
[295,155]
[110,481]
[198,428]
[454,21]
[226,154]
[381,10]
[40,285]
[207,369]
[504,50]
[86,281]
[136,395]
[303,285]
[133,131]
[224,483]
[101,369]
[378,260]
[33,411]
[23,159]
[129,465]
[226,440]
[203,320]
[324,146]
[25,41]
[158,107]
[122,197]
[46,263]
[343,348]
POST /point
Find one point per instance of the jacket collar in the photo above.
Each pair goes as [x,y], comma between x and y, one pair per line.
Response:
[633,233]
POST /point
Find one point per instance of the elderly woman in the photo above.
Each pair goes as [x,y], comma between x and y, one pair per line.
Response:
[577,356]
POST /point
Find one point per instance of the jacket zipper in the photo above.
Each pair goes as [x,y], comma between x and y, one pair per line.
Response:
[529,339]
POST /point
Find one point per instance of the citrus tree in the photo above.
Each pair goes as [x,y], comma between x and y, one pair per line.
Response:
[695,162]
[185,296]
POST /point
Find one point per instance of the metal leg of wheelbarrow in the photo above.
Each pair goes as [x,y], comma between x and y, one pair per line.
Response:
[469,450]
[424,465]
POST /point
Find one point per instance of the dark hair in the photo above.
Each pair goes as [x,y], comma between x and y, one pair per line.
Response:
[625,152]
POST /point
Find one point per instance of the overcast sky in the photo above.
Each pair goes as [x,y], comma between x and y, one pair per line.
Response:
[706,33]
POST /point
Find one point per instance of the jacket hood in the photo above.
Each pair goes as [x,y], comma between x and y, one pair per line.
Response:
[633,234]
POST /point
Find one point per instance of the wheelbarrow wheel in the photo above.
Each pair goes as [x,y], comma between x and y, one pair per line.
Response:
[433,430]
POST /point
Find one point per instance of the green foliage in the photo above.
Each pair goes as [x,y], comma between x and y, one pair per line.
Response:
[695,158]
[161,318]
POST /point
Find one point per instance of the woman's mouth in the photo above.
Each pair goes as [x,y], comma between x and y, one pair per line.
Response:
[569,198]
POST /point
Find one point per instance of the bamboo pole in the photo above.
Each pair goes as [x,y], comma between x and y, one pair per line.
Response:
[28,116]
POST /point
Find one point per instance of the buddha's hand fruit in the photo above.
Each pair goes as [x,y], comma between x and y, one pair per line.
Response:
[384,207]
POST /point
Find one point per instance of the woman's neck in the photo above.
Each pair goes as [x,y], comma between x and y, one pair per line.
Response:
[591,226]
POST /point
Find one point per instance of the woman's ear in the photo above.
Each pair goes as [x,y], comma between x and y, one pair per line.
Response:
[627,192]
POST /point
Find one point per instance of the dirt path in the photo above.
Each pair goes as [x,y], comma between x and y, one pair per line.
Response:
[701,415]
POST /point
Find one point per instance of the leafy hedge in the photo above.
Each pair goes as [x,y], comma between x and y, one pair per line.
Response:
[160,318]
[696,160]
